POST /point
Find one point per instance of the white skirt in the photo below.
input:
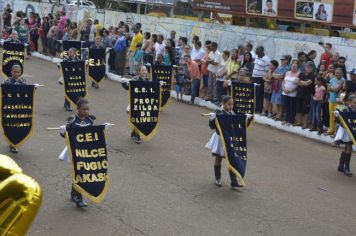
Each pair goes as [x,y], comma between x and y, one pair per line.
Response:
[64,156]
[215,145]
[342,135]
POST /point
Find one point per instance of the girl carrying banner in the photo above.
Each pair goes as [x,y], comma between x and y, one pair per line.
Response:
[216,146]
[97,45]
[142,76]
[16,79]
[343,135]
[81,119]
[72,56]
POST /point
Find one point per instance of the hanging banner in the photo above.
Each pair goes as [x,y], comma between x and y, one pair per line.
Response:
[73,73]
[243,95]
[232,130]
[314,10]
[262,7]
[87,148]
[145,101]
[97,64]
[348,121]
[17,113]
[67,44]
[13,53]
[163,73]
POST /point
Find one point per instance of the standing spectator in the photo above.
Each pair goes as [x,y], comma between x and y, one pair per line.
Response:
[213,64]
[334,88]
[325,57]
[98,27]
[146,42]
[204,70]
[194,77]
[197,53]
[24,34]
[277,87]
[52,37]
[341,64]
[268,78]
[261,66]
[61,24]
[168,56]
[246,68]
[106,41]
[305,91]
[120,53]
[233,66]
[181,78]
[335,58]
[137,38]
[248,48]
[159,46]
[301,61]
[92,31]
[138,56]
[290,92]
[6,17]
[221,74]
[317,102]
[34,32]
[310,58]
[43,31]
[173,36]
[84,32]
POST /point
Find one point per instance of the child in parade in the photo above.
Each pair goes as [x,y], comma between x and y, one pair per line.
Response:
[216,146]
[343,136]
[81,119]
[16,79]
[181,78]
[142,75]
[70,57]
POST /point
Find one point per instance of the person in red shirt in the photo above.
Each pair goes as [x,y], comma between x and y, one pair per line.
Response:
[194,77]
[325,58]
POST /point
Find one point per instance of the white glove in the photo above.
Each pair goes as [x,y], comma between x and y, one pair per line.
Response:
[336,113]
[248,116]
[148,64]
[107,125]
[62,129]
[162,83]
[256,84]
[229,82]
[212,116]
[36,85]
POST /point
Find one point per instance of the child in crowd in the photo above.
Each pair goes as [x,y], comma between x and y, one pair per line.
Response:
[181,78]
[268,78]
[81,119]
[317,102]
[159,60]
[138,56]
[216,146]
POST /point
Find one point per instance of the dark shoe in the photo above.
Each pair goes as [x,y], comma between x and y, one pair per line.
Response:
[347,165]
[341,162]
[81,204]
[73,196]
[69,109]
[60,82]
[313,129]
[94,85]
[137,139]
[234,183]
[13,150]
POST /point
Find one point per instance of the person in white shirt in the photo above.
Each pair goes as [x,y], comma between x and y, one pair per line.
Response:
[261,67]
[92,31]
[159,46]
[213,64]
[197,53]
[290,86]
[221,75]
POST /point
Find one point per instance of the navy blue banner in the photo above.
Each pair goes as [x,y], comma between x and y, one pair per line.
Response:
[17,113]
[232,130]
[348,121]
[13,53]
[163,73]
[73,73]
[97,64]
[87,148]
[67,44]
[244,97]
[145,100]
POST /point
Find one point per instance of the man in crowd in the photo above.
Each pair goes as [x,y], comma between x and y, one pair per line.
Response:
[197,53]
[194,77]
[213,64]
[120,53]
[137,38]
[261,63]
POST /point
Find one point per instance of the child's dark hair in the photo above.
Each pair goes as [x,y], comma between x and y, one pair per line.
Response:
[81,102]
[225,99]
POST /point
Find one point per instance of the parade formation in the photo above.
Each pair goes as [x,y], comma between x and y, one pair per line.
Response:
[239,84]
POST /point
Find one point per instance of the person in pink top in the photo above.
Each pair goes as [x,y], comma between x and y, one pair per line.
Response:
[317,103]
[61,24]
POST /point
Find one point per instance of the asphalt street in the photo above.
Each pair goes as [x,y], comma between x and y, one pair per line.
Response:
[165,186]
